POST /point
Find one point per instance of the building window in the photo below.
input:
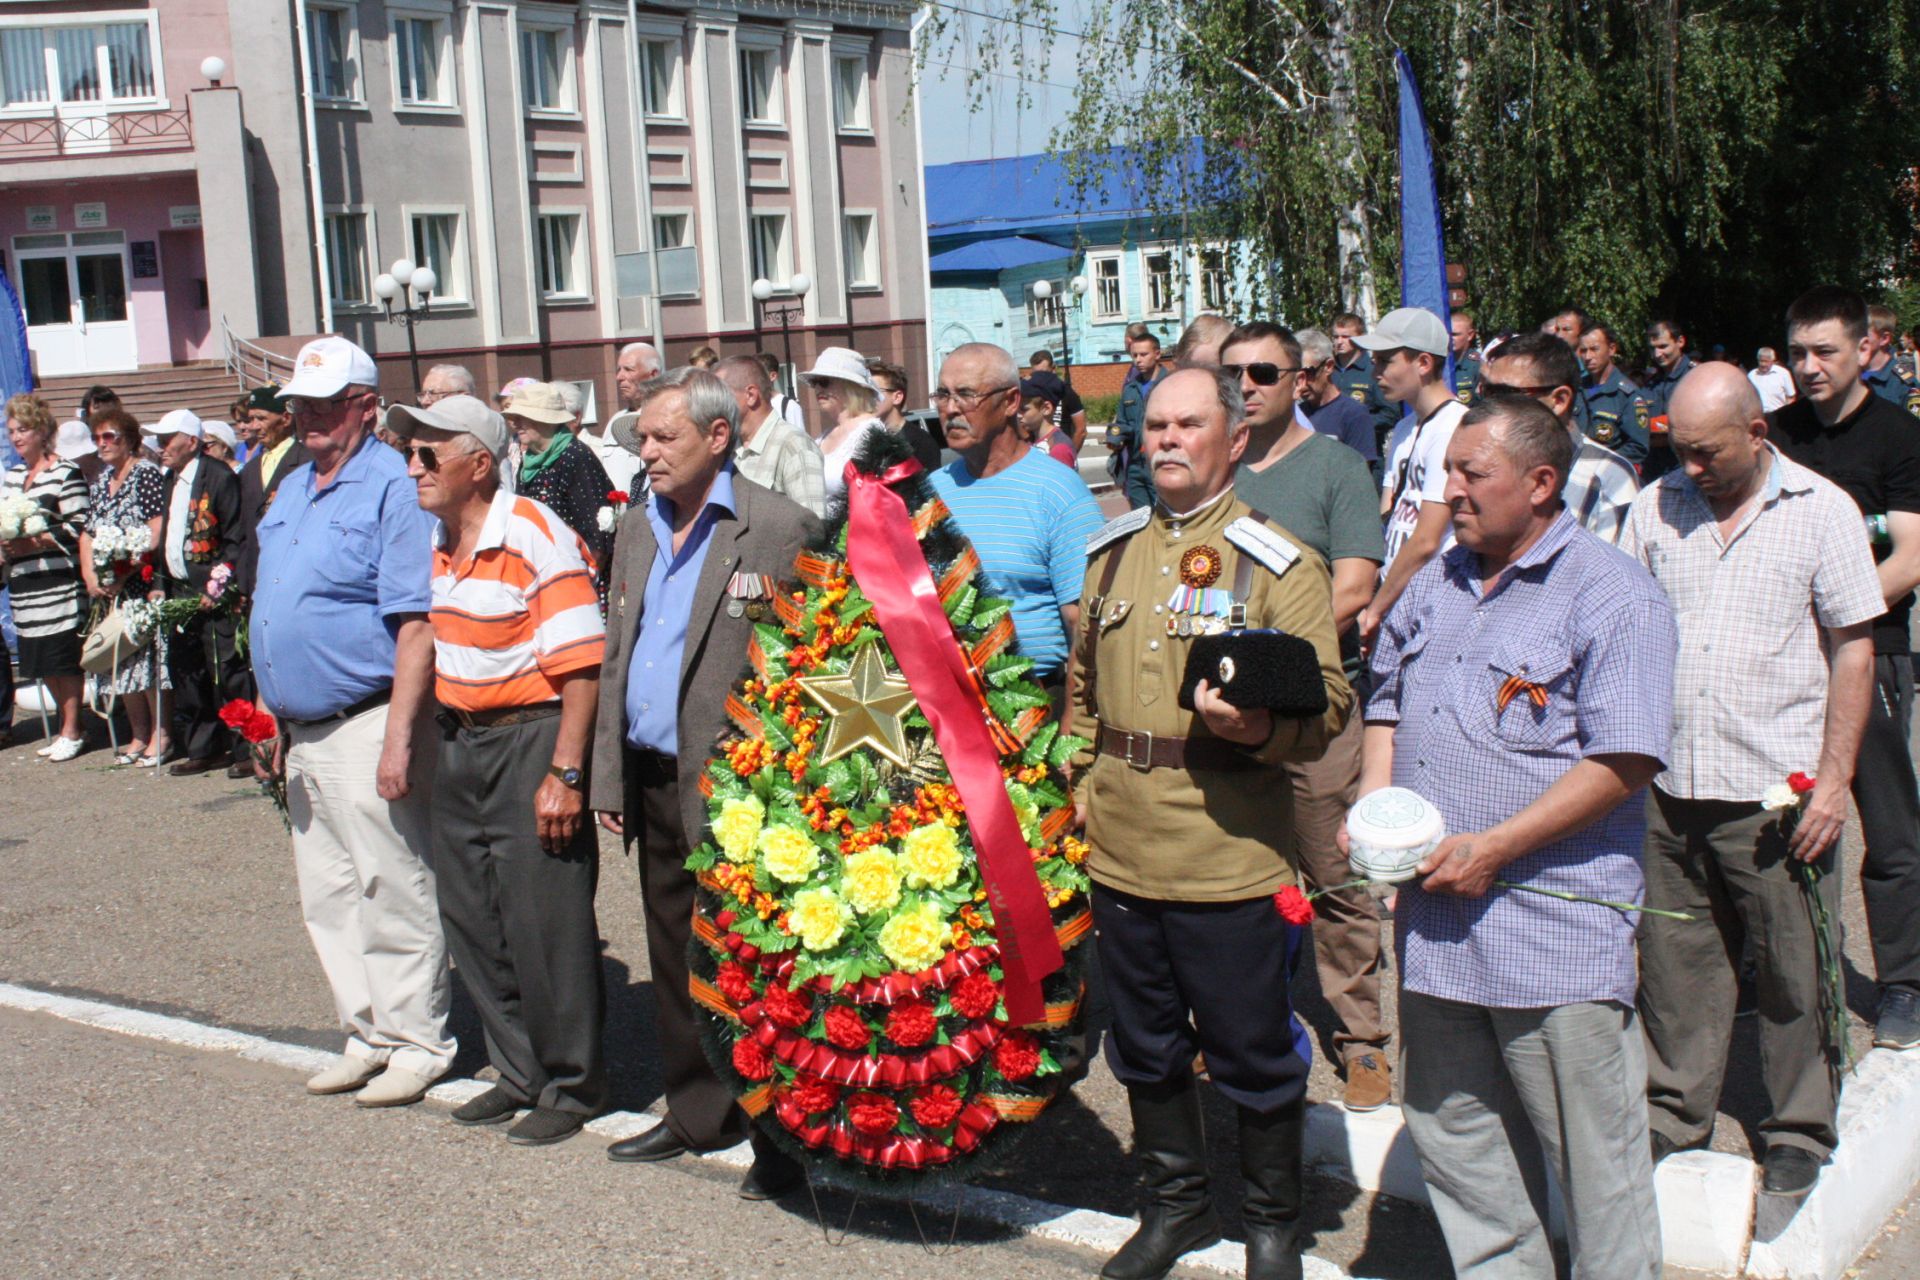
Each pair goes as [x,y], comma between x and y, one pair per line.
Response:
[546,66]
[109,63]
[562,274]
[419,62]
[660,78]
[760,86]
[1044,313]
[850,110]
[347,261]
[1157,272]
[672,230]
[863,252]
[1216,280]
[1106,287]
[772,255]
[437,244]
[330,54]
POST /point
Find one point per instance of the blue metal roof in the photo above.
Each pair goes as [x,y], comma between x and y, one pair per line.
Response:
[997,255]
[1027,193]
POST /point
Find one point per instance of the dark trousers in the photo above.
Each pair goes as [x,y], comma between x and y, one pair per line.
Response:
[700,1109]
[1726,864]
[519,920]
[207,674]
[1210,977]
[1885,791]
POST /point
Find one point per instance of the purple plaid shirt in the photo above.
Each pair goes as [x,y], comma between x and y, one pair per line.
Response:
[1590,626]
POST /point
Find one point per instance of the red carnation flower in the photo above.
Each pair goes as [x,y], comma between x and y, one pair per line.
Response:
[1016,1056]
[1294,906]
[975,995]
[786,1008]
[260,727]
[236,713]
[846,1028]
[146,573]
[814,1095]
[617,495]
[735,984]
[725,919]
[750,1060]
[873,1113]
[1800,782]
[935,1106]
[910,1023]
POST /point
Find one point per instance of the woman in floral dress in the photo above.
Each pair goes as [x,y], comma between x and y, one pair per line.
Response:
[129,493]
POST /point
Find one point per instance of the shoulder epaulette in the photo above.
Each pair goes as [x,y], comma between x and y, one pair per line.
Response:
[1264,543]
[1119,527]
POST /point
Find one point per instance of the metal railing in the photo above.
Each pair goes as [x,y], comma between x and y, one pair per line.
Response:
[45,137]
[250,364]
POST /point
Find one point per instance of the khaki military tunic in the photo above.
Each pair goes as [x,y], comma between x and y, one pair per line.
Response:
[1192,835]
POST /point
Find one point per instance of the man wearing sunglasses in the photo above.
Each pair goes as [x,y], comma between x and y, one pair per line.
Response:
[343,656]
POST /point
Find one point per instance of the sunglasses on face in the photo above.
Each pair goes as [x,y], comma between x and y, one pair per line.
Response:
[1262,373]
[431,456]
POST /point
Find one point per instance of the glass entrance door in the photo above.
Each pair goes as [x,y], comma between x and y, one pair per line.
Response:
[73,289]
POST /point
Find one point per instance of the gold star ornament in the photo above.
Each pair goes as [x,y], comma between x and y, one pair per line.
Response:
[865,708]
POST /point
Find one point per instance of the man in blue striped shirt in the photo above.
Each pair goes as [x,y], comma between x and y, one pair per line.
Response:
[1027,516]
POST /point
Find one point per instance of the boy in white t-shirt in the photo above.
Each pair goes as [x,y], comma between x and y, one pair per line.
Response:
[1409,349]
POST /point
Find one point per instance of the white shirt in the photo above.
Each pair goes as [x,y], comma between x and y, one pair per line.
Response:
[1417,472]
[1775,386]
[788,410]
[835,461]
[621,463]
[180,519]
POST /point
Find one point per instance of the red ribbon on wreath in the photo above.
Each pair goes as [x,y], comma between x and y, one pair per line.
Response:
[892,570]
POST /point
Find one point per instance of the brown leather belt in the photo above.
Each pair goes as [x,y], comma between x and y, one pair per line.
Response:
[500,716]
[1144,751]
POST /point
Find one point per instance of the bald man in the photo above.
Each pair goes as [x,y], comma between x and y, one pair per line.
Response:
[1770,574]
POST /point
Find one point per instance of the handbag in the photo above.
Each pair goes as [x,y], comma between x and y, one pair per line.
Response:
[113,641]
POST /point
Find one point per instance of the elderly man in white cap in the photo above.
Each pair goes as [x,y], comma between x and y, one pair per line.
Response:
[1409,349]
[201,540]
[343,654]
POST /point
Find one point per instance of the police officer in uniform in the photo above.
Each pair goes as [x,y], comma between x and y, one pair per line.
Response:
[1670,364]
[1189,818]
[1608,396]
[1890,379]
[1466,367]
[1353,374]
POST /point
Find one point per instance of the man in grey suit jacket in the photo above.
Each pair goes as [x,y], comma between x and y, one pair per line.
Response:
[688,570]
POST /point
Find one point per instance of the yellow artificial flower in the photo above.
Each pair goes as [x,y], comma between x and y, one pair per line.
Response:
[915,939]
[819,917]
[738,826]
[931,855]
[1027,810]
[871,881]
[789,855]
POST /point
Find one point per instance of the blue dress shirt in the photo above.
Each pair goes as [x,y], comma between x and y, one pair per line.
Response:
[653,673]
[337,567]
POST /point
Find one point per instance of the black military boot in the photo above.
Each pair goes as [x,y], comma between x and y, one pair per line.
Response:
[1177,1215]
[1270,1165]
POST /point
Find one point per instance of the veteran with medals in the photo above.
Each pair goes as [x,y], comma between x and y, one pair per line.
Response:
[1189,817]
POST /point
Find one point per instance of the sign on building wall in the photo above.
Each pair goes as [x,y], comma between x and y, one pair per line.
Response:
[146,259]
[42,217]
[90,215]
[183,217]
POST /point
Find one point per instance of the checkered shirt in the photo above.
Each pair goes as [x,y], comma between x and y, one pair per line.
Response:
[1600,489]
[781,457]
[1587,625]
[1750,689]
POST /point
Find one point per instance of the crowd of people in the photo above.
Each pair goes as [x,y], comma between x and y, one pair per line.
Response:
[1599,623]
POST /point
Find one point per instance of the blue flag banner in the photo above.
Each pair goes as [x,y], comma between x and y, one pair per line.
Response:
[16,366]
[1423,252]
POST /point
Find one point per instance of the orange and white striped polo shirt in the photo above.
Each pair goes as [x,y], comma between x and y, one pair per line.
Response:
[518,616]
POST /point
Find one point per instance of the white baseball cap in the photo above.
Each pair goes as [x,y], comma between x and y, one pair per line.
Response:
[454,415]
[180,422]
[843,363]
[223,433]
[74,441]
[1412,328]
[327,366]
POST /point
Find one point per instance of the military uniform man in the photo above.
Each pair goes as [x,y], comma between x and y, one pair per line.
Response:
[1886,375]
[1353,374]
[1466,364]
[1608,396]
[1670,364]
[1189,822]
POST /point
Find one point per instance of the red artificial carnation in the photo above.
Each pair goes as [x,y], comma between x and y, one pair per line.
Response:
[1800,782]
[617,495]
[1016,1056]
[260,727]
[750,1060]
[236,713]
[846,1028]
[785,1008]
[725,919]
[146,573]
[910,1023]
[735,983]
[814,1095]
[1294,906]
[873,1113]
[935,1106]
[975,995]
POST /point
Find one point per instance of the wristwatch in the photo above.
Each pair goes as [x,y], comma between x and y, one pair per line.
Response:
[569,776]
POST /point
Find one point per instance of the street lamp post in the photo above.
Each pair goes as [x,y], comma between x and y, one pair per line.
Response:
[413,287]
[1076,290]
[786,313]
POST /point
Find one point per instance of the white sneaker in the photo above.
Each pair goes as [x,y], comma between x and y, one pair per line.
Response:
[52,742]
[394,1087]
[345,1075]
[64,749]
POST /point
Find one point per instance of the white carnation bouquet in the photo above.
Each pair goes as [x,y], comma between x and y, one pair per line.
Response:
[113,543]
[21,517]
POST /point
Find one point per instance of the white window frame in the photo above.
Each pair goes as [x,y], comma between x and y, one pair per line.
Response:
[352,63]
[673,39]
[1170,308]
[369,254]
[755,42]
[1224,304]
[863,260]
[48,22]
[1118,312]
[577,265]
[860,51]
[455,289]
[780,274]
[568,107]
[689,225]
[447,94]
[1043,314]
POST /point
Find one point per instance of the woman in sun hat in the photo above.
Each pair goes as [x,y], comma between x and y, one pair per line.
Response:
[848,397]
[556,469]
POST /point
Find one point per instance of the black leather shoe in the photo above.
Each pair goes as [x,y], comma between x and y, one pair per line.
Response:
[1663,1146]
[657,1143]
[1169,1141]
[491,1107]
[1270,1161]
[1789,1171]
[544,1125]
[187,768]
[240,769]
[769,1179]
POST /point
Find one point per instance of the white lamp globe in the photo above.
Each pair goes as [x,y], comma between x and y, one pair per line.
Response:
[1043,289]
[213,69]
[1079,286]
[800,283]
[424,281]
[763,289]
[385,287]
[402,269]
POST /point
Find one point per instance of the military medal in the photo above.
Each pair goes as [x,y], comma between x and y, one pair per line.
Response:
[735,608]
[1200,566]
